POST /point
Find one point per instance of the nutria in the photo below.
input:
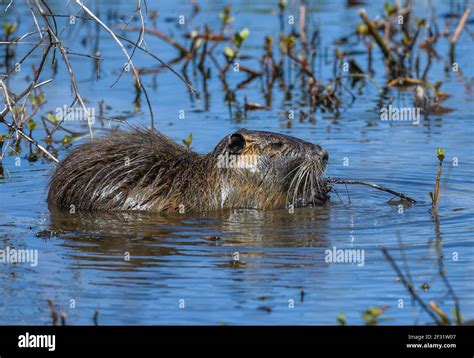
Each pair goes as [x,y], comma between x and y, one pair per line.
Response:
[145,170]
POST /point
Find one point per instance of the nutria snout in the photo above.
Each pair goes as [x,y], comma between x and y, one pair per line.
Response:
[145,170]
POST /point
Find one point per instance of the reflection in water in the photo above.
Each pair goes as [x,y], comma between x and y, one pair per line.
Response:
[152,238]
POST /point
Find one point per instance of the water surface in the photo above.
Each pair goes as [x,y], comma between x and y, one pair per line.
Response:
[183,268]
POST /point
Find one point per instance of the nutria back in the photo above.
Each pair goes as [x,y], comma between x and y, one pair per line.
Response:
[145,170]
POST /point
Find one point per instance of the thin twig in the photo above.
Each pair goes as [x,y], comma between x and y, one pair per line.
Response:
[164,64]
[372,185]
[409,287]
[122,47]
[458,31]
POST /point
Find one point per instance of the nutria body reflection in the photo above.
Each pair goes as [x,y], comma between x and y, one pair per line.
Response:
[145,170]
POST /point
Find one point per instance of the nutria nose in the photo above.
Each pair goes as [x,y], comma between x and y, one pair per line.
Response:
[325,155]
[320,152]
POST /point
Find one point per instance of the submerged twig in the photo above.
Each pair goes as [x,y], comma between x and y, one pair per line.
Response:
[372,185]
[442,270]
[458,31]
[409,287]
[378,39]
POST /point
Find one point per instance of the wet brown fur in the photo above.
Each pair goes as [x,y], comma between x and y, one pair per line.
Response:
[145,170]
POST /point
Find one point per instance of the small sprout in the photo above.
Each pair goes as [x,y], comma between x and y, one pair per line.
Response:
[197,43]
[52,118]
[437,85]
[372,314]
[37,100]
[67,140]
[440,153]
[390,9]
[244,33]
[31,124]
[240,37]
[406,40]
[420,22]
[287,43]
[187,142]
[434,196]
[341,319]
[225,16]
[362,29]
[268,44]
[229,53]
[9,29]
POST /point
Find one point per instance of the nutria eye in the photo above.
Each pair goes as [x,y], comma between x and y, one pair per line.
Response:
[236,143]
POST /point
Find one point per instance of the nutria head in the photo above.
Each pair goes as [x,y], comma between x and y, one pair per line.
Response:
[270,169]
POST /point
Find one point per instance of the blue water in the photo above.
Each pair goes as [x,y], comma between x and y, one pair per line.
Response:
[177,274]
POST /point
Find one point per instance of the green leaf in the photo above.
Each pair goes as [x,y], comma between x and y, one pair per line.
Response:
[187,142]
[229,52]
[390,9]
[362,29]
[197,43]
[420,22]
[225,16]
[406,39]
[244,33]
[52,118]
[240,37]
[341,319]
[37,100]
[290,42]
[440,153]
[9,28]
[67,140]
[31,124]
[371,315]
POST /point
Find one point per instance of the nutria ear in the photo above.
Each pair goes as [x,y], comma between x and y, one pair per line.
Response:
[236,143]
